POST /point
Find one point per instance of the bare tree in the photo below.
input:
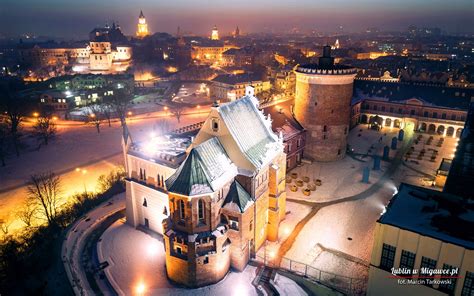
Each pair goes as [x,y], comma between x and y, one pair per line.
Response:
[120,103]
[94,116]
[106,110]
[5,226]
[16,108]
[27,212]
[44,128]
[177,110]
[44,192]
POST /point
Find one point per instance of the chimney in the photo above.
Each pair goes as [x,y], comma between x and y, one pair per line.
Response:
[249,91]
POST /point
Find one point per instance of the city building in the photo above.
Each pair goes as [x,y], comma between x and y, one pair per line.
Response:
[323,106]
[229,87]
[106,52]
[214,33]
[424,108]
[142,26]
[238,57]
[56,100]
[209,52]
[219,197]
[426,230]
[294,135]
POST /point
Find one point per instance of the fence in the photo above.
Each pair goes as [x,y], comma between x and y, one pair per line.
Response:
[346,285]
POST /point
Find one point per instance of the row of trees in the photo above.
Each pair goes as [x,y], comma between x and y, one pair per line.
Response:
[113,106]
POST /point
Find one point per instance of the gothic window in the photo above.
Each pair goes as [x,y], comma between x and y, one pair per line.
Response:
[181,209]
[201,210]
[145,204]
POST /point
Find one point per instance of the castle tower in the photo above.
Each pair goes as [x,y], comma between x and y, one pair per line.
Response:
[323,106]
[142,27]
[215,33]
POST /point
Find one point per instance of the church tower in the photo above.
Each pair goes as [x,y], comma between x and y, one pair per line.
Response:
[142,27]
[215,33]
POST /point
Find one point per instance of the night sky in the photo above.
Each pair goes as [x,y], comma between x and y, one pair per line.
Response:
[75,19]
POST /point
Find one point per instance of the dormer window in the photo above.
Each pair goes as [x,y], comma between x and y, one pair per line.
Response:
[215,124]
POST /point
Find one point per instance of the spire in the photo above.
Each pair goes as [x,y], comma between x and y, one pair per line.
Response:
[141,14]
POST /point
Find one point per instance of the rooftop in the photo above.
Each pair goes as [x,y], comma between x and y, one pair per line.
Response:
[204,170]
[446,217]
[448,97]
[238,78]
[250,130]
[165,150]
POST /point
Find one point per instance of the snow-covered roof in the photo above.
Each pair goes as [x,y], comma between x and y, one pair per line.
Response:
[238,199]
[206,168]
[250,129]
[439,215]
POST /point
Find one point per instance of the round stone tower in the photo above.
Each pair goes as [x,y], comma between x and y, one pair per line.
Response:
[323,106]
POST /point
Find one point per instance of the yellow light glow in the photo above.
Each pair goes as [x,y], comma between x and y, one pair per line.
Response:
[84,171]
[78,169]
[141,288]
[55,118]
[92,115]
[35,114]
[165,108]
[129,113]
[198,106]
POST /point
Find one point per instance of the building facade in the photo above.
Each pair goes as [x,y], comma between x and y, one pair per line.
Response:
[219,197]
[229,87]
[422,230]
[323,106]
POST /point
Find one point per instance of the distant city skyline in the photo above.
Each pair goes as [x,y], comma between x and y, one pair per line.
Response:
[74,19]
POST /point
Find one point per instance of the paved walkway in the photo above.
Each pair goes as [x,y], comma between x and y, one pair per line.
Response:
[316,206]
[76,238]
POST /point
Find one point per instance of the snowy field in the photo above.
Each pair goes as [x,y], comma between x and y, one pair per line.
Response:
[136,259]
[193,93]
[343,178]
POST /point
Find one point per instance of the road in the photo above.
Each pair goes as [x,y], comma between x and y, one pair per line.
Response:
[76,238]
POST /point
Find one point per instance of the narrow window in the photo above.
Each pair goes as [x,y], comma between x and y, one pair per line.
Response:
[325,128]
[181,209]
[145,204]
[201,210]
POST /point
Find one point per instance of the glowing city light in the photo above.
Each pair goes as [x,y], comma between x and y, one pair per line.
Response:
[35,114]
[140,289]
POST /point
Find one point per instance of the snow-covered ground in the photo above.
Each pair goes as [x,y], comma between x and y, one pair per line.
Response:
[76,146]
[344,177]
[294,213]
[137,259]
[285,286]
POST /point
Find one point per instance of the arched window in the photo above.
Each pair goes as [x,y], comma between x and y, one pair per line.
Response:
[201,209]
[181,209]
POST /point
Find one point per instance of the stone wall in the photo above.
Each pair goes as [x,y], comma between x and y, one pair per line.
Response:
[324,111]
